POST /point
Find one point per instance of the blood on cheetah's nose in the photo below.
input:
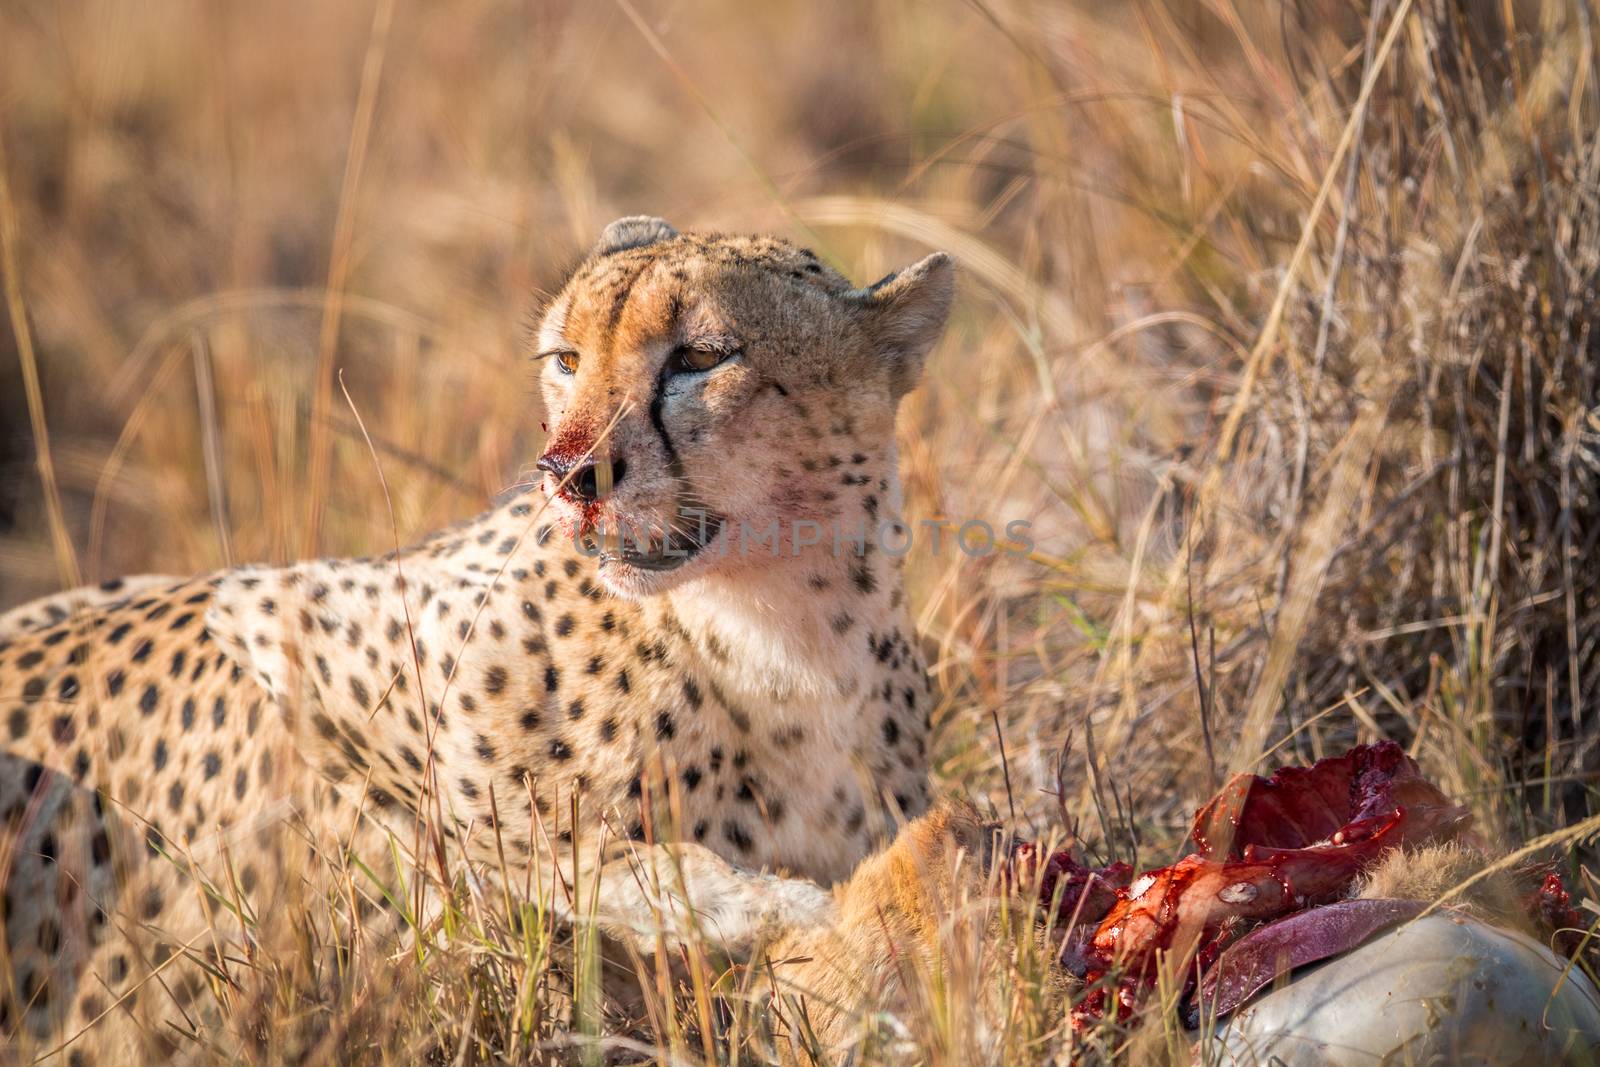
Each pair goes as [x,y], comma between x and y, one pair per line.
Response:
[586,477]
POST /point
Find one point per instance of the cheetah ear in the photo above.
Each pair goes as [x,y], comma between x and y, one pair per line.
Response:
[634,231]
[908,312]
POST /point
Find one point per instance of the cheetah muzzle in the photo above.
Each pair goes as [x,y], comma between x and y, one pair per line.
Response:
[661,553]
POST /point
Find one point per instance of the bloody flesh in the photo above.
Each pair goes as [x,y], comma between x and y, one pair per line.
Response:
[1266,847]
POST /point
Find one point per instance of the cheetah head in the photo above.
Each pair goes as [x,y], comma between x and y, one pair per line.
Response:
[703,388]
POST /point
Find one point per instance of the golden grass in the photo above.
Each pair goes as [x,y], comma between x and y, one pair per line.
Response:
[1278,325]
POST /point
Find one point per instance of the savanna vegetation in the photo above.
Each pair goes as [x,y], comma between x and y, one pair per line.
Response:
[1278,324]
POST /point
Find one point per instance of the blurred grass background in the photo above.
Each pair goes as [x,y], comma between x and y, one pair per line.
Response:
[1277,323]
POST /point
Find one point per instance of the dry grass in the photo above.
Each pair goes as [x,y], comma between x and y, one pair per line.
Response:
[1278,326]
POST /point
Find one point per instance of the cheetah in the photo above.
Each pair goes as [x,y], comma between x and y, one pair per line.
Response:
[678,644]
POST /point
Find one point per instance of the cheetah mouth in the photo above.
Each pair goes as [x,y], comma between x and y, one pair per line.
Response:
[661,554]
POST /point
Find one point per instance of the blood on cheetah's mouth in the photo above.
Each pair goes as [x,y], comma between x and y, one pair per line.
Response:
[659,554]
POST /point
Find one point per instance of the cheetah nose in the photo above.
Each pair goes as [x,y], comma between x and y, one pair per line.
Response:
[587,478]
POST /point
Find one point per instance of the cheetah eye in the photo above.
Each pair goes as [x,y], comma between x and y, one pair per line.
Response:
[567,360]
[689,358]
